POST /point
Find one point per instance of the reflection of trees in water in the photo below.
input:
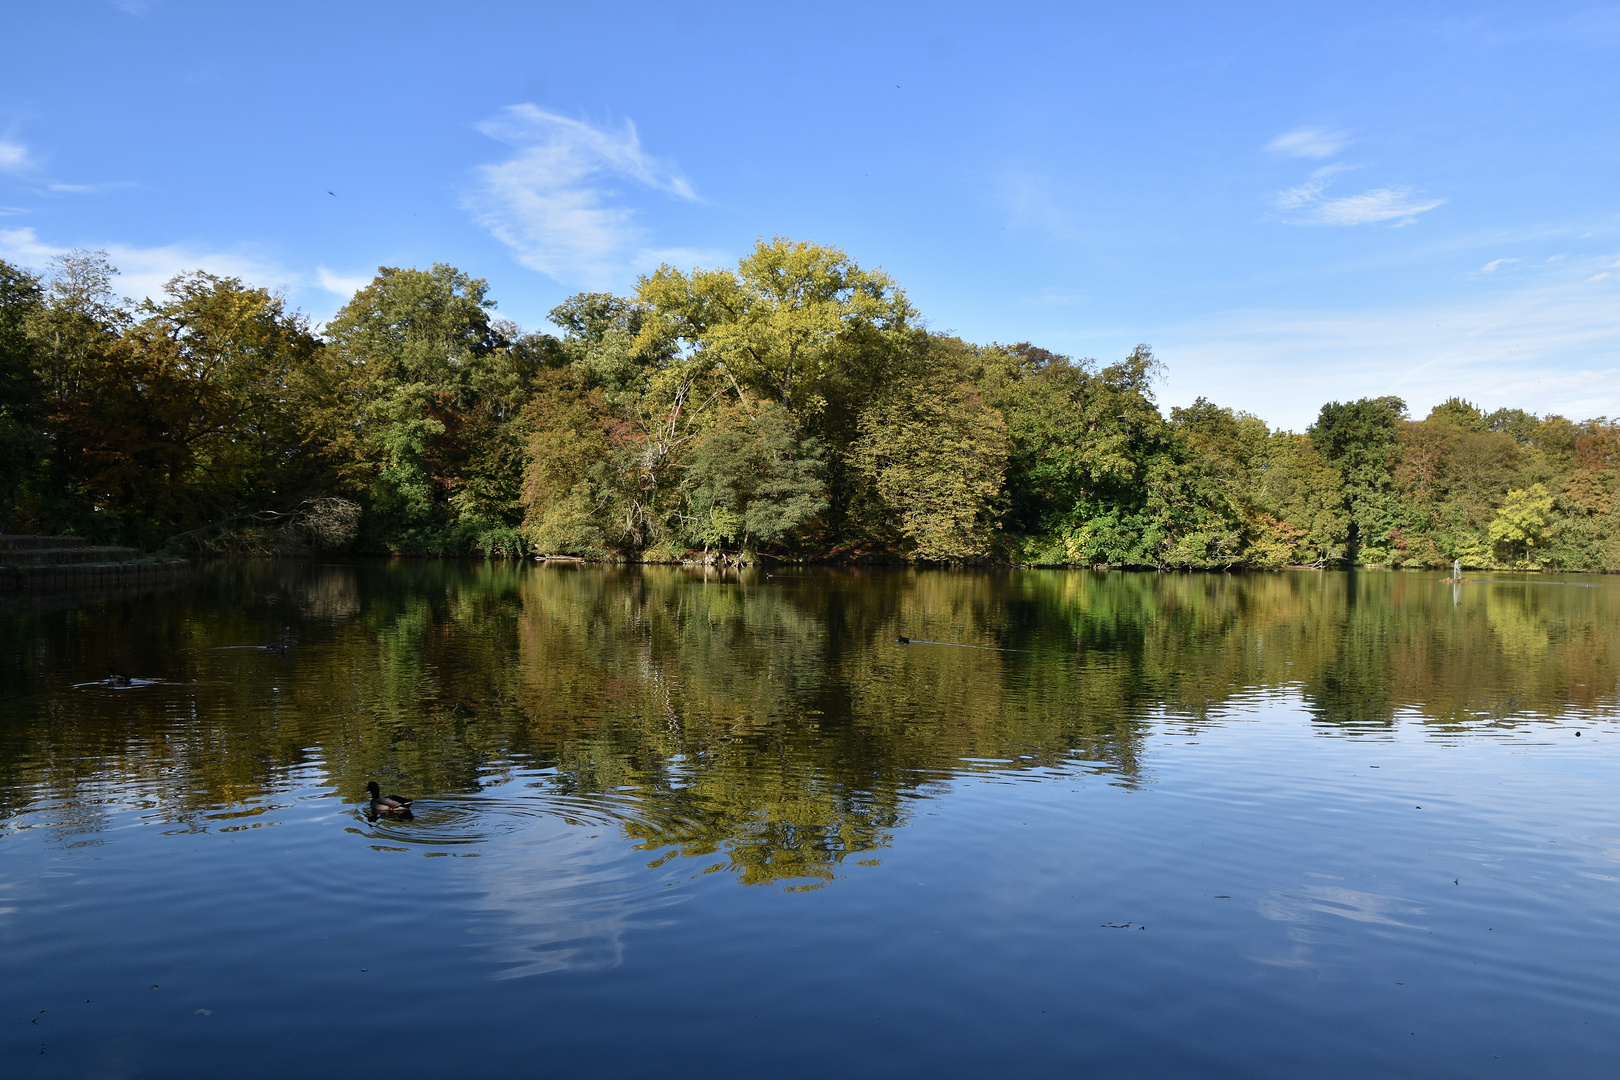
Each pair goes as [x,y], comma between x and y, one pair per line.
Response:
[1504,651]
[773,724]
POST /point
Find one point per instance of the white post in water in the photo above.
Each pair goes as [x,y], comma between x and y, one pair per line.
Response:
[1456,569]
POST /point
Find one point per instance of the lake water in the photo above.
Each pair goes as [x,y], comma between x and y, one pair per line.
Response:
[1273,825]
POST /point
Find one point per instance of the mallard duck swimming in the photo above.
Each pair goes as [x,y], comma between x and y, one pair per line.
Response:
[387,804]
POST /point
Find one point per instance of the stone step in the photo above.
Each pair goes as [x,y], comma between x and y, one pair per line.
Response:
[23,542]
[58,556]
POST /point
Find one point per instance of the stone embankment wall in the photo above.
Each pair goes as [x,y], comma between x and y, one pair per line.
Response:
[51,564]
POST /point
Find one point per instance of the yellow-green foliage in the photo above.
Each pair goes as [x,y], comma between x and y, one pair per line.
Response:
[1522,521]
[937,454]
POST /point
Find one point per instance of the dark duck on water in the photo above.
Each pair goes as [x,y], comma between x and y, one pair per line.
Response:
[386,804]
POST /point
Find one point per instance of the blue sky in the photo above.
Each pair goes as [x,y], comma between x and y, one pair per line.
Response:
[1291,203]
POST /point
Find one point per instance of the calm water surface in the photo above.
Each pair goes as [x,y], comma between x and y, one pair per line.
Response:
[1273,825]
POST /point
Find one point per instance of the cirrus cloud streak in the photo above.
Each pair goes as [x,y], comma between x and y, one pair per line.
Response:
[1309,203]
[1309,142]
[555,203]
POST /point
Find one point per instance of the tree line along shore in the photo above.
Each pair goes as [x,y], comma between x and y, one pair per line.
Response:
[793,408]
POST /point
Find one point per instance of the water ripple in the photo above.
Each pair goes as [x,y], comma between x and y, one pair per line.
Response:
[473,819]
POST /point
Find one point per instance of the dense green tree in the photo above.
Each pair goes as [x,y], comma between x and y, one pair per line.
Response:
[573,485]
[804,326]
[1522,521]
[1450,477]
[751,479]
[1300,504]
[936,454]
[1231,445]
[602,343]
[435,391]
[24,444]
[610,420]
[1099,476]
[1585,527]
[1459,413]
[81,319]
[1357,438]
[76,332]
[195,424]
[1226,456]
[1040,395]
[1522,426]
[1083,442]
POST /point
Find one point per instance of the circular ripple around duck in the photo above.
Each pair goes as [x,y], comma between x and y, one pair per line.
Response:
[474,819]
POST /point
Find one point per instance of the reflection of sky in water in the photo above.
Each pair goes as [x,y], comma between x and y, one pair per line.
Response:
[555,887]
[561,903]
[1301,905]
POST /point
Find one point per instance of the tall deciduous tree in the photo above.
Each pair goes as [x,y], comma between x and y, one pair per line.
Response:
[24,442]
[1522,522]
[789,319]
[434,390]
[1303,496]
[1357,438]
[197,419]
[936,452]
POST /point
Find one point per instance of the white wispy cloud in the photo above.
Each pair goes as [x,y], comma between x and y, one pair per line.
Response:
[1495,264]
[24,247]
[554,204]
[1371,207]
[1310,142]
[1551,345]
[1053,297]
[14,157]
[339,284]
[142,271]
[86,189]
[1310,192]
[1309,203]
[19,160]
